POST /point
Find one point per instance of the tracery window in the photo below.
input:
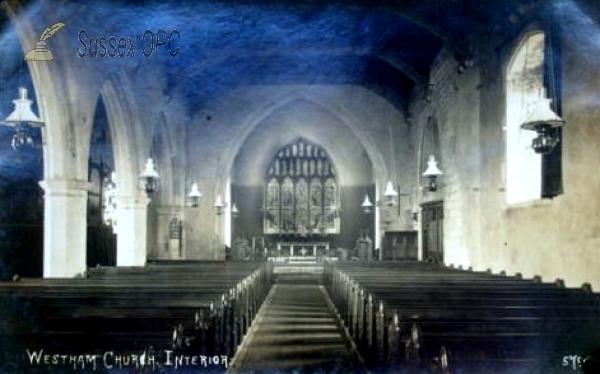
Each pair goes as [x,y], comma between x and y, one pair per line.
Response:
[301,192]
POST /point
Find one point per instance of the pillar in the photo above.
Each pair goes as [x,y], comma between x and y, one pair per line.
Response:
[132,240]
[65,227]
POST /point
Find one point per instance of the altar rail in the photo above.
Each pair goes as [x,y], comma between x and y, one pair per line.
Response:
[293,249]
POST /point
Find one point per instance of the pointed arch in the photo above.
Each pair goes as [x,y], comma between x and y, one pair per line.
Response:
[101,215]
[380,166]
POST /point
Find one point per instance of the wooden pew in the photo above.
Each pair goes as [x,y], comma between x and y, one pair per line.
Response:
[176,307]
[478,316]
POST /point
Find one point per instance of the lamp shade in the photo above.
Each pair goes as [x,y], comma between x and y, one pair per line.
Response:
[542,115]
[432,168]
[234,210]
[367,204]
[194,191]
[22,112]
[150,177]
[390,191]
[219,202]
[149,170]
[194,195]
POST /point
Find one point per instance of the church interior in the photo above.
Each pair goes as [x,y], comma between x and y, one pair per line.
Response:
[324,186]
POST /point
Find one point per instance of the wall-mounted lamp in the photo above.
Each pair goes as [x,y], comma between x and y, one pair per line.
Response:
[220,205]
[390,196]
[367,205]
[432,173]
[194,195]
[545,122]
[23,120]
[150,177]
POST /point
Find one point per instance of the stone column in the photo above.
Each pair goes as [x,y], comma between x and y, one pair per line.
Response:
[65,227]
[132,240]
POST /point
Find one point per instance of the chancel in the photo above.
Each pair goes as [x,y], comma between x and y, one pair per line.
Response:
[315,186]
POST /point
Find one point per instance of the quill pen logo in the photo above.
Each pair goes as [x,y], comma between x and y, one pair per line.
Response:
[40,52]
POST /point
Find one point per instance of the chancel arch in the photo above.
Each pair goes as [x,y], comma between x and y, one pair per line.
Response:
[330,103]
[328,158]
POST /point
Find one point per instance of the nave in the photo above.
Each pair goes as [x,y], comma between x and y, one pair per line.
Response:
[297,328]
[340,317]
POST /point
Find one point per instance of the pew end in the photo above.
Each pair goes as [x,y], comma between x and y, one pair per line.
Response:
[442,362]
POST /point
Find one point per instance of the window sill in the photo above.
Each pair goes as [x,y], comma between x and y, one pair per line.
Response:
[530,204]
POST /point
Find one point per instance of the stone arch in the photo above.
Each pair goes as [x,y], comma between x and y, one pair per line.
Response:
[381,170]
[295,103]
[324,136]
[122,129]
[162,143]
[44,83]
[129,157]
[101,241]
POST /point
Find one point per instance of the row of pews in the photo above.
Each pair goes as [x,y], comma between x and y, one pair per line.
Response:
[124,318]
[427,318]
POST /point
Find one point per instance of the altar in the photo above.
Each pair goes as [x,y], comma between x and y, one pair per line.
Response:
[303,252]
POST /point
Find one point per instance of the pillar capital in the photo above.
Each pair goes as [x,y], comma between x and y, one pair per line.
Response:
[65,187]
[140,201]
[167,210]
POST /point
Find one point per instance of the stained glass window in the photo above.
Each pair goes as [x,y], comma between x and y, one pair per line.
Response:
[301,192]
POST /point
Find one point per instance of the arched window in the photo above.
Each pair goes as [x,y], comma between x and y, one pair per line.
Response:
[529,175]
[301,192]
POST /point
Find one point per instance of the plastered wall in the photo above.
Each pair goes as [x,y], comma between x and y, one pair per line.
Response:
[552,238]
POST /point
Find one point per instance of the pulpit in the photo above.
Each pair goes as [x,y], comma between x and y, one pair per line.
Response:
[364,248]
[240,249]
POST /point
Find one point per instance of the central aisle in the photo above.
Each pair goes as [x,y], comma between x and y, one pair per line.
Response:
[296,332]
